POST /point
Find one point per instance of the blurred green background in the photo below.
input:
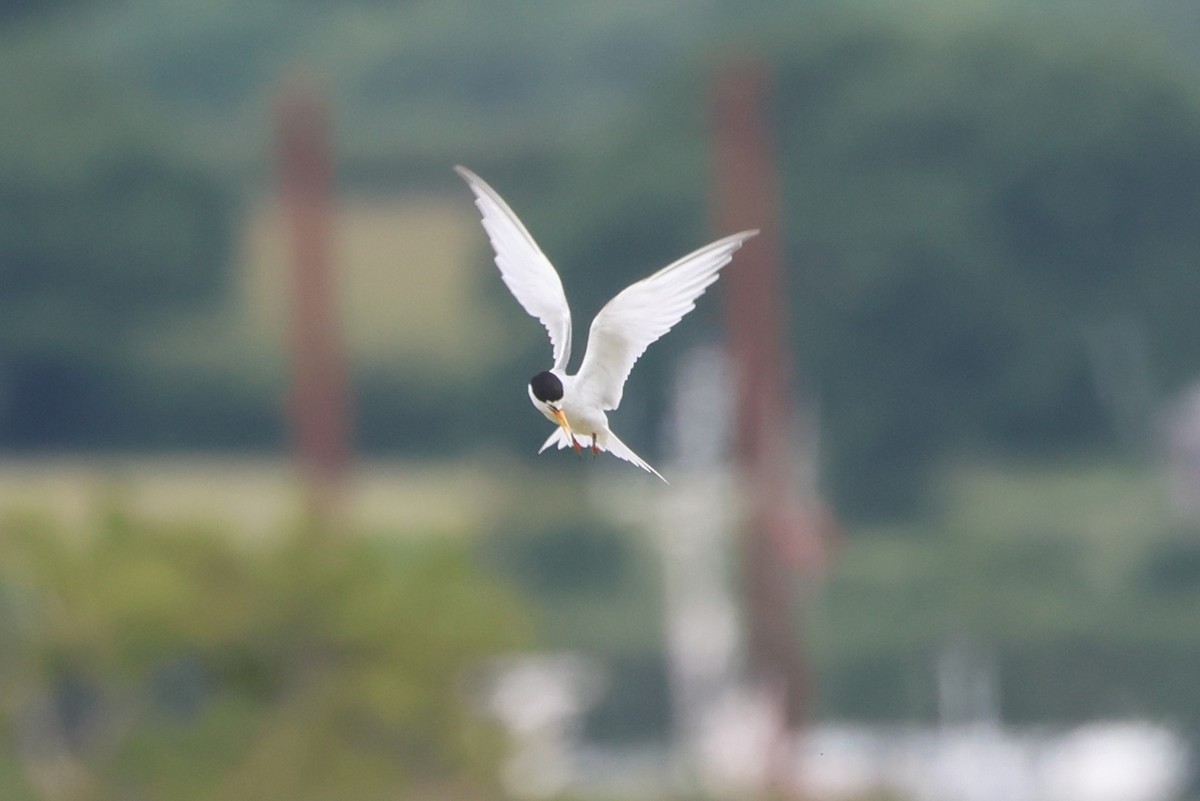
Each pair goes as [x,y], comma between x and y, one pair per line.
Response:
[991,217]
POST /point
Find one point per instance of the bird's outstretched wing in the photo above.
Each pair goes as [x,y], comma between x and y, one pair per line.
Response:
[642,313]
[526,271]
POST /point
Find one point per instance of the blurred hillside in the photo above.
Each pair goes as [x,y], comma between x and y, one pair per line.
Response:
[986,206]
[417,84]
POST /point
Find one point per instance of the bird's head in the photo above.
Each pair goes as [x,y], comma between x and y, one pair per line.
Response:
[546,392]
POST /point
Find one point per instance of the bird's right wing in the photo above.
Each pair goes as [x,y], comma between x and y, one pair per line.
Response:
[526,271]
[642,313]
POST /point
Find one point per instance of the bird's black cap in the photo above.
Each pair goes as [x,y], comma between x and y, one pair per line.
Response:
[546,387]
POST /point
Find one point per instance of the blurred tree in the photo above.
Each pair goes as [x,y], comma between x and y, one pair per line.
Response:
[105,231]
[596,589]
[1065,647]
[166,662]
[962,205]
[972,205]
[966,195]
[19,10]
[1082,617]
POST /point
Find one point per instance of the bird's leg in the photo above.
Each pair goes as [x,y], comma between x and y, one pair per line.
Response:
[595,447]
[575,445]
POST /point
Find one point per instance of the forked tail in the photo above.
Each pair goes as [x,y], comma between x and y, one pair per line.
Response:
[606,442]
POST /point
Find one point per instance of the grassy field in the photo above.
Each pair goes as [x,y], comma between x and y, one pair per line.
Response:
[254,496]
[412,278]
[410,275]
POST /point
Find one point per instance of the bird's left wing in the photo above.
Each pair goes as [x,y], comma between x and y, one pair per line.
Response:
[526,271]
[642,313]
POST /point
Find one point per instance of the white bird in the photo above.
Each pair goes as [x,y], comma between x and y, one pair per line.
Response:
[620,333]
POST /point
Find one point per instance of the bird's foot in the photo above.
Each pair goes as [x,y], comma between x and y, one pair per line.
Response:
[576,446]
[595,447]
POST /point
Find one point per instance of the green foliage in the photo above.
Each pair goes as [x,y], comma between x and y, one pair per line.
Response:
[575,559]
[105,232]
[968,192]
[182,665]
[597,591]
[1074,579]
[962,206]
[598,586]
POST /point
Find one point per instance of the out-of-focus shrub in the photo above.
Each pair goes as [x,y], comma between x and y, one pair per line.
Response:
[172,662]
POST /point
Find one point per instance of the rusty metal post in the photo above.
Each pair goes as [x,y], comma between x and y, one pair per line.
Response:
[747,196]
[318,406]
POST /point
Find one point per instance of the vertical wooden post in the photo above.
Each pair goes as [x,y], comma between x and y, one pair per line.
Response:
[318,405]
[747,196]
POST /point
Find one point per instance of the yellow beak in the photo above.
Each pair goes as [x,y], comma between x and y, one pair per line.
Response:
[561,419]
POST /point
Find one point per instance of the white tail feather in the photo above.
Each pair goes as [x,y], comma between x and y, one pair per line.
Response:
[559,438]
[621,451]
[608,442]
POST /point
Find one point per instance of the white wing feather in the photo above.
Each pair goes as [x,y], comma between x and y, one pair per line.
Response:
[642,313]
[526,271]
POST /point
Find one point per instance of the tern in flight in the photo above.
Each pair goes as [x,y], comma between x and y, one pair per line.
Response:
[620,333]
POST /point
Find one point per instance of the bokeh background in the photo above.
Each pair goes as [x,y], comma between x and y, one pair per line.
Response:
[989,224]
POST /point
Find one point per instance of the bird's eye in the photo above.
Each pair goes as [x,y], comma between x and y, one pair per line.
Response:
[546,387]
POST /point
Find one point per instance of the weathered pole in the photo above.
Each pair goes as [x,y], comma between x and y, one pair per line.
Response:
[318,404]
[747,195]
